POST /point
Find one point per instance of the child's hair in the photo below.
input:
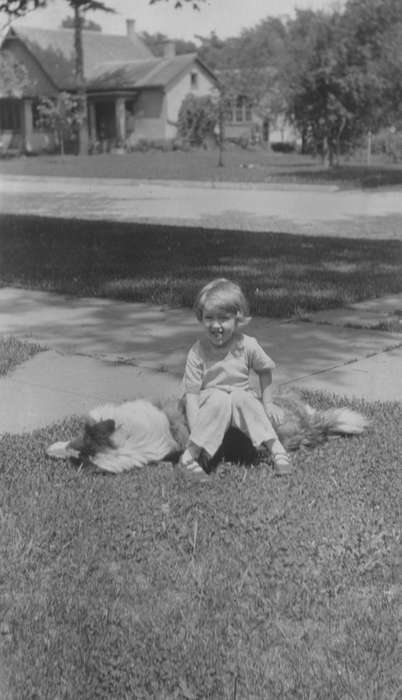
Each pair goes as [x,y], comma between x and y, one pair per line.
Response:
[225,295]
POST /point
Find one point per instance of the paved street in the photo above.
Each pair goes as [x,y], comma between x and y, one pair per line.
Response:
[320,210]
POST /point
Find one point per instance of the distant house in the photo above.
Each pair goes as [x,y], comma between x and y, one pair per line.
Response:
[131,94]
[246,121]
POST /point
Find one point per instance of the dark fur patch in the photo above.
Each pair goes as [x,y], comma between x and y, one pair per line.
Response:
[96,438]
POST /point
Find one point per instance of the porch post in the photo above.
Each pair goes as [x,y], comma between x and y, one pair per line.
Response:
[27,120]
[92,121]
[120,112]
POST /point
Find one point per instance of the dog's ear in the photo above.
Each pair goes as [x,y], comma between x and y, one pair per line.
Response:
[77,443]
[102,429]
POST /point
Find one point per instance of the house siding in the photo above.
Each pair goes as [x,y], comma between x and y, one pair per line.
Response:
[176,93]
[148,116]
[39,83]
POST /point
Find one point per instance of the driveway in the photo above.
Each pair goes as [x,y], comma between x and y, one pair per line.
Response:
[314,210]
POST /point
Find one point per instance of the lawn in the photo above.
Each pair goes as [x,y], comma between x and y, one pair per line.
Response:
[144,586]
[13,352]
[283,275]
[241,165]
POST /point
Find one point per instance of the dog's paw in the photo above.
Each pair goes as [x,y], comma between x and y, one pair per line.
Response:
[62,450]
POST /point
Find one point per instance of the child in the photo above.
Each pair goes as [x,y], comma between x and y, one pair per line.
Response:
[216,380]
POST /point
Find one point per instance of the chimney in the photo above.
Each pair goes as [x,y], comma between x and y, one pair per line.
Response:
[130,28]
[169,49]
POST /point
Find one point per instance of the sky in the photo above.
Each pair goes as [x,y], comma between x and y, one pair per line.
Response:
[225,17]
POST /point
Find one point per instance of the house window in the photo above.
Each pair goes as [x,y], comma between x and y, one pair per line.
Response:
[241,110]
[10,115]
[194,80]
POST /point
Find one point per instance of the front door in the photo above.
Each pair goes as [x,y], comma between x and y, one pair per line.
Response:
[105,119]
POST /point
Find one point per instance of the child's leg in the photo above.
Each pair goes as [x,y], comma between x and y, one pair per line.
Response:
[249,416]
[213,420]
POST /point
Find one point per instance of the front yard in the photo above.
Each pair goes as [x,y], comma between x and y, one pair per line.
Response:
[283,275]
[241,165]
[143,586]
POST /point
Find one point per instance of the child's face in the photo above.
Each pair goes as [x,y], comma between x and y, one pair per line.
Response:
[219,325]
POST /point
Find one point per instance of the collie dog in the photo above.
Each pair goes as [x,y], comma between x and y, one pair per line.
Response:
[119,437]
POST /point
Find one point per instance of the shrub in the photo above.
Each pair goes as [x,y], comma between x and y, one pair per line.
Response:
[389,143]
[283,146]
[165,145]
[197,119]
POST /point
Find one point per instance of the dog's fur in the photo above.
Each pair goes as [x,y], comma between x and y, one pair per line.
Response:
[119,437]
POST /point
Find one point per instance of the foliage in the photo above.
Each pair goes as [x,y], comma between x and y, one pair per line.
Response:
[13,76]
[143,586]
[180,3]
[60,115]
[86,24]
[156,41]
[145,145]
[197,118]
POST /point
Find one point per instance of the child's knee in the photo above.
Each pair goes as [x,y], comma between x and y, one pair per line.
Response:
[241,398]
[216,401]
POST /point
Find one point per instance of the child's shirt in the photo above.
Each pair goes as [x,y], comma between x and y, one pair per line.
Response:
[226,368]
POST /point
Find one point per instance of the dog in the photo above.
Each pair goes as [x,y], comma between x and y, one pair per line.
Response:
[120,437]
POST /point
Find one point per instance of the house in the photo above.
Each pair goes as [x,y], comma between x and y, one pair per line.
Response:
[131,94]
[245,123]
[249,122]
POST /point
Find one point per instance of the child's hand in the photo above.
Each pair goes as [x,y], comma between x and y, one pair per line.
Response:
[274,412]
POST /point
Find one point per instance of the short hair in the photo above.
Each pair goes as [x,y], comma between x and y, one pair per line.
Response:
[225,295]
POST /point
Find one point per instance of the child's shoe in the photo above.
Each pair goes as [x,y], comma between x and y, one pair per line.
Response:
[282,464]
[189,467]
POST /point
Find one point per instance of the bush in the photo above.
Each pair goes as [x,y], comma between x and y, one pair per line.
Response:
[389,143]
[283,146]
[197,119]
[165,145]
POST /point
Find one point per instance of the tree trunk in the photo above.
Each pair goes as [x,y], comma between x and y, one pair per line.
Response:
[326,152]
[83,138]
[221,134]
[338,141]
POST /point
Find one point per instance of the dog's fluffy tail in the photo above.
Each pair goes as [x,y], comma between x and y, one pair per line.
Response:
[304,425]
[344,421]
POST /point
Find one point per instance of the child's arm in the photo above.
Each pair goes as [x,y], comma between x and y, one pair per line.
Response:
[274,413]
[191,402]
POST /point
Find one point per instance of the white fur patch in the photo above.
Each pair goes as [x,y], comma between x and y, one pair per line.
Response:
[61,450]
[142,435]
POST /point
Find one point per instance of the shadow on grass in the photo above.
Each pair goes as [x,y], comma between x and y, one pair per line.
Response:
[354,176]
[283,276]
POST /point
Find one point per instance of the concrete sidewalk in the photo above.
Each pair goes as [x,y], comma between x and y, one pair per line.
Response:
[102,350]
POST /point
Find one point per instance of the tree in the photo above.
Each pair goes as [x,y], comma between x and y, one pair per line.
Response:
[13,76]
[60,115]
[316,82]
[156,41]
[374,31]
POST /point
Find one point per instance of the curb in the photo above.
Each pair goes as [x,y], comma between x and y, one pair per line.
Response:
[195,184]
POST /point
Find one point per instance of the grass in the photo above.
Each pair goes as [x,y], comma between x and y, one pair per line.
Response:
[143,586]
[241,165]
[13,352]
[283,275]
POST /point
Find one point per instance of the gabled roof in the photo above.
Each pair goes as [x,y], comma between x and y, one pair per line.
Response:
[54,51]
[157,72]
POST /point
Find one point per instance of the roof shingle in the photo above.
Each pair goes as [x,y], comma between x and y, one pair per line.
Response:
[157,72]
[54,50]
